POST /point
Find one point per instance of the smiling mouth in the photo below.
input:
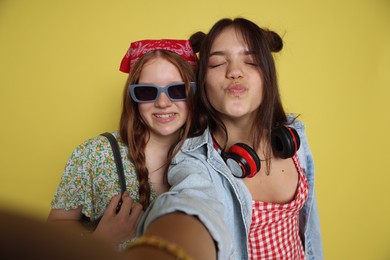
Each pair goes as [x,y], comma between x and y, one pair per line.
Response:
[164,115]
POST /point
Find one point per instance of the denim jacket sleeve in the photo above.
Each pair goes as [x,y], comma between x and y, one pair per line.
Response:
[309,218]
[199,188]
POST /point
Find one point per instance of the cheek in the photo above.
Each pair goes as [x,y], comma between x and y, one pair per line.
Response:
[210,86]
[210,77]
[214,99]
[257,96]
[183,107]
[213,92]
[143,109]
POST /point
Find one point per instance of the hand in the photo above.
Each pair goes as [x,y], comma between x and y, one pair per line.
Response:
[117,228]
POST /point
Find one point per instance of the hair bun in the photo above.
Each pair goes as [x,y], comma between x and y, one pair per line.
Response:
[275,42]
[196,40]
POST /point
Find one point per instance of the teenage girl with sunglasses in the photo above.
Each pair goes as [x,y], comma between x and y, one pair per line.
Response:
[157,111]
[243,186]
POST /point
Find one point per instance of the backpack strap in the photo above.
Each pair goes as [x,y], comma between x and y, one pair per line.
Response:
[118,160]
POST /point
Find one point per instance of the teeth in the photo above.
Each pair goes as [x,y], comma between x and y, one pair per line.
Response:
[165,115]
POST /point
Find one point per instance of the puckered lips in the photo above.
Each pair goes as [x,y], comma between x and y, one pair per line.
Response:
[235,89]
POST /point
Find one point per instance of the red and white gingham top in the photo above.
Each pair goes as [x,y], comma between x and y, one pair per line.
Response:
[274,232]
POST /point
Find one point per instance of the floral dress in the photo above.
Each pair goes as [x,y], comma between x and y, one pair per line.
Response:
[90,178]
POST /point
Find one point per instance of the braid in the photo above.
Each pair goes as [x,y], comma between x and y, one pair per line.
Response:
[144,189]
[137,156]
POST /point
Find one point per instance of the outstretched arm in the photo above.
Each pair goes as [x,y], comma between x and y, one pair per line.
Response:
[179,229]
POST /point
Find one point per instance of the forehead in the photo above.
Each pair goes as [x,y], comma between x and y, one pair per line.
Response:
[159,71]
[229,40]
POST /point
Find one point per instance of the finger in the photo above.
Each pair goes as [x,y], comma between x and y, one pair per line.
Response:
[135,218]
[126,204]
[111,208]
[125,194]
[136,213]
[119,206]
[139,217]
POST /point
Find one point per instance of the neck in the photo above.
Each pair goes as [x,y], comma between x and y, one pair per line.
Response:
[162,142]
[156,151]
[238,131]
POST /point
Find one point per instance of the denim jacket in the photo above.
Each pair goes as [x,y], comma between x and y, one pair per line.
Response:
[202,185]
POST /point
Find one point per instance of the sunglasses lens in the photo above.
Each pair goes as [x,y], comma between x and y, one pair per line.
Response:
[177,91]
[145,93]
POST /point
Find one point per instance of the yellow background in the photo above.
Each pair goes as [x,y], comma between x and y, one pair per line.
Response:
[60,85]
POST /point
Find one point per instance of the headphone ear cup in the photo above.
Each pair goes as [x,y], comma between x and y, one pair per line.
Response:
[246,157]
[236,164]
[285,141]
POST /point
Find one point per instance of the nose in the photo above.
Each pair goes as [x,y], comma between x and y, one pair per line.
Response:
[234,71]
[163,101]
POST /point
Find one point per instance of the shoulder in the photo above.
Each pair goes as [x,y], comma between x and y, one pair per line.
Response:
[94,144]
[192,146]
[295,122]
[304,152]
[95,147]
[193,143]
[298,125]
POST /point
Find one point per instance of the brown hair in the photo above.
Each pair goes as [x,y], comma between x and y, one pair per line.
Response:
[133,130]
[270,113]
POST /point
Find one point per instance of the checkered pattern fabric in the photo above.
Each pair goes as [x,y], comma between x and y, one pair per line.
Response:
[274,232]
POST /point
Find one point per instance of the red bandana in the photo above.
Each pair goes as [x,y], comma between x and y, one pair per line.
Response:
[139,48]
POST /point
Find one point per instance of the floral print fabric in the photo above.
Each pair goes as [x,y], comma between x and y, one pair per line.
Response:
[90,178]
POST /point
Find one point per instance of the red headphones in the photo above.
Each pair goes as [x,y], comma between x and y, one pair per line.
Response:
[244,161]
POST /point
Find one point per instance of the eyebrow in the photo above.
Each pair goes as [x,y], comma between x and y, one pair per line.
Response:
[217,53]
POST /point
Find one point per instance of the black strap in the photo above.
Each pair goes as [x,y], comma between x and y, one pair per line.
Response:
[86,221]
[118,160]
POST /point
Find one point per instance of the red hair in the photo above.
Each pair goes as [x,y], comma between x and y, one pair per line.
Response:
[133,130]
